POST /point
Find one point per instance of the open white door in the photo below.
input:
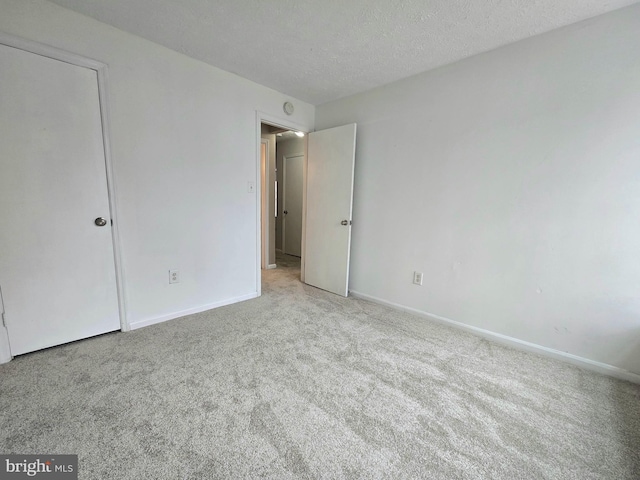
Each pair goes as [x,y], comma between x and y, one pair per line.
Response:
[330,168]
[57,272]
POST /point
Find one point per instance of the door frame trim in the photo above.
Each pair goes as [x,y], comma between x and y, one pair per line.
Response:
[265,221]
[261,118]
[103,99]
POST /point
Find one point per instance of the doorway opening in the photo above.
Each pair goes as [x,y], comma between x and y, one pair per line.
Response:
[282,165]
[328,159]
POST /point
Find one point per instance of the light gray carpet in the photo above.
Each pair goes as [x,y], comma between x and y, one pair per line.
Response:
[303,384]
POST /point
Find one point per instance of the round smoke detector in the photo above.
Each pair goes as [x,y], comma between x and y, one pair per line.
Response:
[288,108]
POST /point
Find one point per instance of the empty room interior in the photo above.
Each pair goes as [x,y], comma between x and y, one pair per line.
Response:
[320,239]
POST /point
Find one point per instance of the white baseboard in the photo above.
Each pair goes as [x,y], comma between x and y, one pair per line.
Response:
[582,362]
[190,311]
[271,266]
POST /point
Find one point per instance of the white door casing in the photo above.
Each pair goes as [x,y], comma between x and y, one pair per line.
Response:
[293,180]
[329,204]
[57,270]
[264,202]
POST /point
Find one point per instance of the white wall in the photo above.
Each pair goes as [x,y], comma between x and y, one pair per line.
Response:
[184,145]
[512,180]
[285,148]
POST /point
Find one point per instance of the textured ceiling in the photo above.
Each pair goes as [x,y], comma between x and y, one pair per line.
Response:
[321,50]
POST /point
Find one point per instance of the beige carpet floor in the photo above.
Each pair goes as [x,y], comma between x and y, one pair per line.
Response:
[302,384]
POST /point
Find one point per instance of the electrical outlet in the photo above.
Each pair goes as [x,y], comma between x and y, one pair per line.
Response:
[417,278]
[174,276]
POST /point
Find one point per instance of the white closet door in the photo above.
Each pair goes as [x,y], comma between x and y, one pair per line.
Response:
[57,273]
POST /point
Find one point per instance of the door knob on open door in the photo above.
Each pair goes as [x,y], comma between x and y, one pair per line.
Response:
[101,222]
[285,212]
[345,222]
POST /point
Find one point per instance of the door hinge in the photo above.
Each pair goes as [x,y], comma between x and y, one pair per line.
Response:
[4,322]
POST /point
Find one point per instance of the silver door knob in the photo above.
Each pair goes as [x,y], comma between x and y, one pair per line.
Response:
[344,222]
[101,222]
[285,212]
